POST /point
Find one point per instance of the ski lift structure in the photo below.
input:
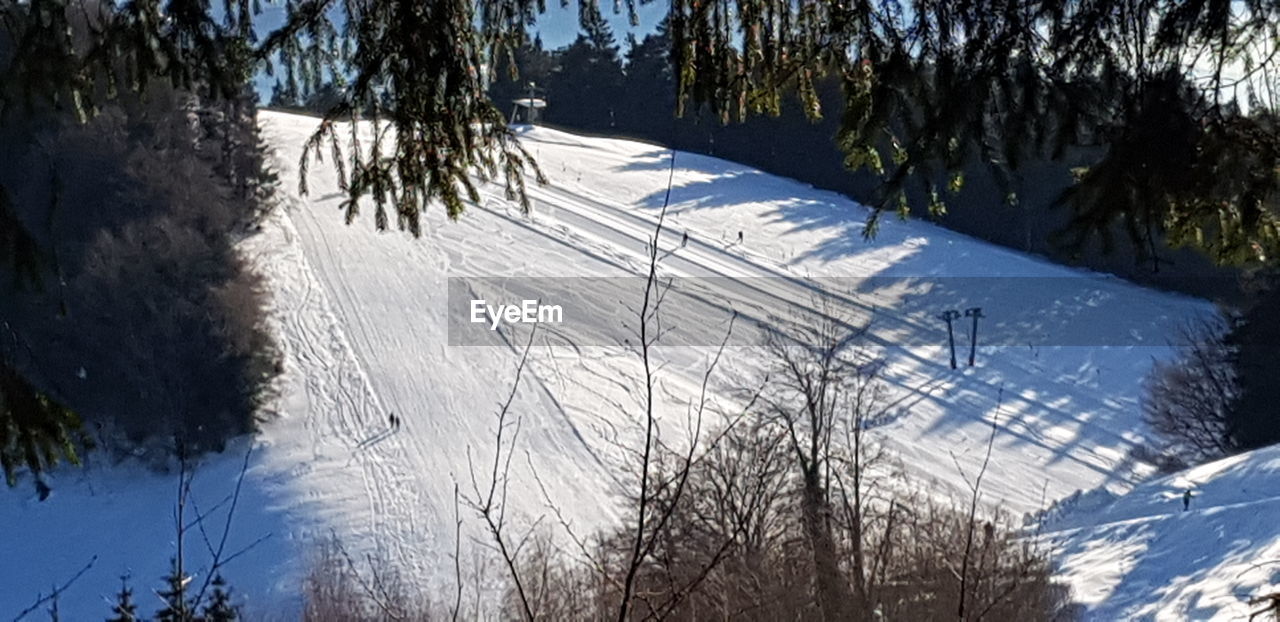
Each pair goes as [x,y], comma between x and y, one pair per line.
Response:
[527,109]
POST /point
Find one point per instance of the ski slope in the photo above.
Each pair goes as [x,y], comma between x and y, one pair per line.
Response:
[1142,557]
[364,320]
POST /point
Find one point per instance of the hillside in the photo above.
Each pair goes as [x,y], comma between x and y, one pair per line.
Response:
[1142,557]
[365,321]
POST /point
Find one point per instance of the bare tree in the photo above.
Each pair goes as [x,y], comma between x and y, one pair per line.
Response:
[337,588]
[733,526]
[975,487]
[716,541]
[824,390]
[665,472]
[489,498]
[1188,399]
[626,557]
[57,591]
[182,602]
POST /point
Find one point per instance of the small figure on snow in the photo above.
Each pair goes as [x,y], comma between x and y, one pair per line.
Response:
[684,241]
[395,421]
[739,237]
[1186,500]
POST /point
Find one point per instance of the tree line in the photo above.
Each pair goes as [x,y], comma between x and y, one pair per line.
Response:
[597,85]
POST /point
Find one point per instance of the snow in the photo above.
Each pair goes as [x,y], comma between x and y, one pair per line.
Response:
[1142,557]
[365,322]
[120,519]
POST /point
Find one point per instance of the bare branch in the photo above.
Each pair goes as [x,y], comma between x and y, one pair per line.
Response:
[57,591]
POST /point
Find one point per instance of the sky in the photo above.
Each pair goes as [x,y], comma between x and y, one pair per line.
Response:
[559,26]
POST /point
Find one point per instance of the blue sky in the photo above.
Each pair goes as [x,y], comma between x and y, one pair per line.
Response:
[559,26]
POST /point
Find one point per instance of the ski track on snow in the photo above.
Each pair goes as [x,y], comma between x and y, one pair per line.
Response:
[344,407]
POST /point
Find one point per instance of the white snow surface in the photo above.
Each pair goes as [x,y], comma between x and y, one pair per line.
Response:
[361,318]
[1141,556]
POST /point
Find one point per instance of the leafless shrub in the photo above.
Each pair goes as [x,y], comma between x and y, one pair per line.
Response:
[746,490]
[558,589]
[824,395]
[338,588]
[795,512]
[1188,399]
[1009,578]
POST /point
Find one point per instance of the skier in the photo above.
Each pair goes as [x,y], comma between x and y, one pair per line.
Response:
[684,241]
[1186,500]
[739,237]
[395,423]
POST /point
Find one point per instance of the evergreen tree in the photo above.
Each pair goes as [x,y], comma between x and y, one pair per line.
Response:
[220,608]
[647,103]
[283,96]
[513,73]
[177,607]
[586,85]
[36,431]
[1254,420]
[947,83]
[124,610]
[926,90]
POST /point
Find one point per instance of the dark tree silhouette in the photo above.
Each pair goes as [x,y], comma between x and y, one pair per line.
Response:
[1254,420]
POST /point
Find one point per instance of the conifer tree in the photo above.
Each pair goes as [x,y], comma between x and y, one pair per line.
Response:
[177,606]
[513,73]
[124,610]
[36,431]
[220,608]
[649,86]
[926,90]
[587,83]
[1254,420]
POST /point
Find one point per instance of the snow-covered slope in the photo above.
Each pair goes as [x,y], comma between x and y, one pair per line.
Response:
[1141,556]
[364,321]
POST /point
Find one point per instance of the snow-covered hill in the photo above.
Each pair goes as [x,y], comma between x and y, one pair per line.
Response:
[1141,556]
[364,319]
